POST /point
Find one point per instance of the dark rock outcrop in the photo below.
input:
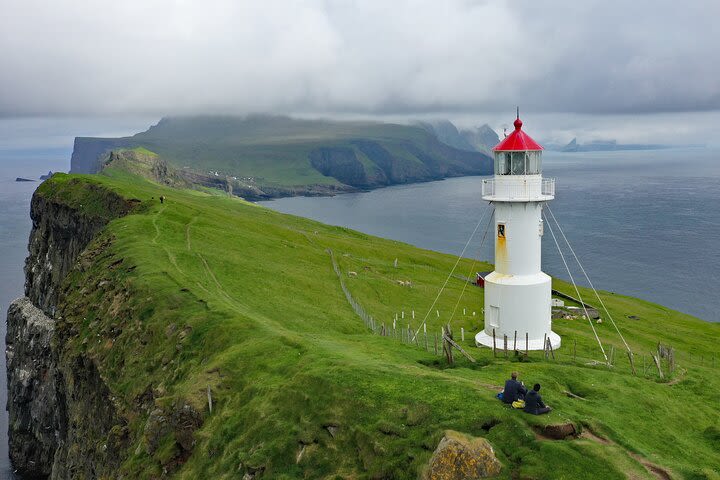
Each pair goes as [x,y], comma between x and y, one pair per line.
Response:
[559,431]
[63,422]
[59,234]
[88,153]
[340,163]
[32,389]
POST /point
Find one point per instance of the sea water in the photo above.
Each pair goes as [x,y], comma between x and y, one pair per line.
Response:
[643,223]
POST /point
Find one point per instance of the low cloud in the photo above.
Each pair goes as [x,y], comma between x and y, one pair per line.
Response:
[160,57]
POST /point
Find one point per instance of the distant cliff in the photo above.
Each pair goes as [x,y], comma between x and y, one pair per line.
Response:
[602,146]
[282,156]
[481,139]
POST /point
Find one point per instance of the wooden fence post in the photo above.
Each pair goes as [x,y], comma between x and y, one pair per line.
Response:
[632,362]
[657,364]
[505,345]
[552,352]
[527,345]
[545,346]
[436,345]
[462,334]
[494,354]
[515,342]
[447,347]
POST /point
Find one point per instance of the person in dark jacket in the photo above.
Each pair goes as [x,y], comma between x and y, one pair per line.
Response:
[514,390]
[534,403]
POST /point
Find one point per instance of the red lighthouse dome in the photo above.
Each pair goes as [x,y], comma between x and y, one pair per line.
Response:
[517,140]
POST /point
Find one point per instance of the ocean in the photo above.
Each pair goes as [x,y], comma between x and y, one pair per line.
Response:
[644,223]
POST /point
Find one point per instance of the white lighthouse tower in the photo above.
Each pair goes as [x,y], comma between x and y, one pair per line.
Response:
[517,293]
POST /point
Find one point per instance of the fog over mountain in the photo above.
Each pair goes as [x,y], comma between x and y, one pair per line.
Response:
[470,61]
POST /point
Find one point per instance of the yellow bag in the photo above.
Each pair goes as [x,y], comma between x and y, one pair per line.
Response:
[518,404]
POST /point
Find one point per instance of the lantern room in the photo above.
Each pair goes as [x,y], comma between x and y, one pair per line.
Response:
[518,154]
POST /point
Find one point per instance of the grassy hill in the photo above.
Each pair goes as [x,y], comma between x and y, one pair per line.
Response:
[210,292]
[272,151]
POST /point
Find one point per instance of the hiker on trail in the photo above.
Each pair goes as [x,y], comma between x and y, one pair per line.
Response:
[514,390]
[534,403]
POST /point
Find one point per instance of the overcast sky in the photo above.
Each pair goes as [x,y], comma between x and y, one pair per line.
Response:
[598,68]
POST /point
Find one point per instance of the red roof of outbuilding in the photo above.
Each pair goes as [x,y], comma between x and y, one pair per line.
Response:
[517,140]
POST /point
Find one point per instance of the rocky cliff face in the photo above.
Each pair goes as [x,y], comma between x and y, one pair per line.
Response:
[58,236]
[63,423]
[88,153]
[32,390]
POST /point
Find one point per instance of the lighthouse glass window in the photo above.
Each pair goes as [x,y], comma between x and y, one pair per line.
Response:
[533,163]
[517,163]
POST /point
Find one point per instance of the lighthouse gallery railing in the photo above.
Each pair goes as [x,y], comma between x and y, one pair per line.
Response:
[518,188]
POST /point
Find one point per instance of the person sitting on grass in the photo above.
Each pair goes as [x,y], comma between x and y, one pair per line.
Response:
[534,403]
[514,390]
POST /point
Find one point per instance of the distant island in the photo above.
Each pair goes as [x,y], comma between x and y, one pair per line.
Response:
[22,179]
[263,156]
[606,146]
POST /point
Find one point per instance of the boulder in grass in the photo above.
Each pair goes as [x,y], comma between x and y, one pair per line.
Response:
[559,431]
[462,457]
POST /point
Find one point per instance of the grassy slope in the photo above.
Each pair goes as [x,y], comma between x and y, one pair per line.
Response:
[273,150]
[215,291]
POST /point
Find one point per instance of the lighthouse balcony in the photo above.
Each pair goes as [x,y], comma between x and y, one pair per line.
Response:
[518,188]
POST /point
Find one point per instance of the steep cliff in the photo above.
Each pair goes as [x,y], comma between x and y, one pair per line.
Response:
[88,153]
[50,391]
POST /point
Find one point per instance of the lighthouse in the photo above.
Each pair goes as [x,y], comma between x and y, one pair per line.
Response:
[517,293]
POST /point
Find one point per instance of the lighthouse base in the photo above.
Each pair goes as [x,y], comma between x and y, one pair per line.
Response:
[482,339]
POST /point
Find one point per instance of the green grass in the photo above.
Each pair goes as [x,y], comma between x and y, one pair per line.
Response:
[207,290]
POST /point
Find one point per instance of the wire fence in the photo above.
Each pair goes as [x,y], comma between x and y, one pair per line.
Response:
[663,363]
